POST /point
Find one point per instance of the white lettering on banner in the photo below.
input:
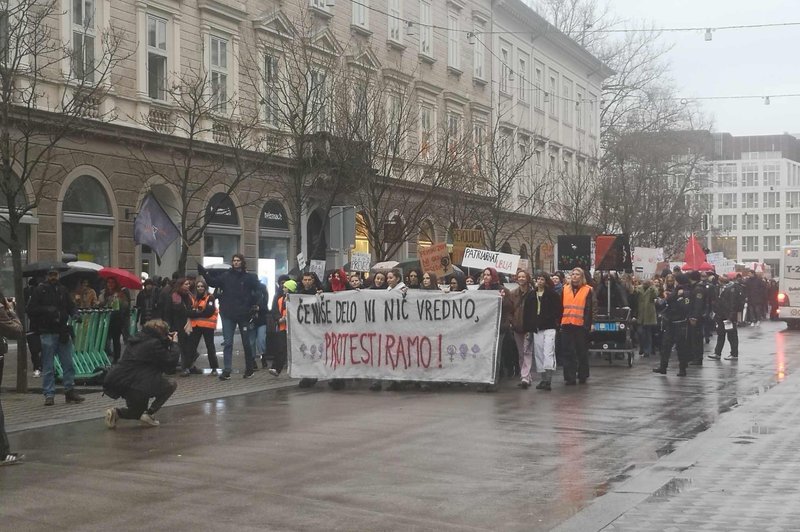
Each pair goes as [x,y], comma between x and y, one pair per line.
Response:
[371,334]
[481,258]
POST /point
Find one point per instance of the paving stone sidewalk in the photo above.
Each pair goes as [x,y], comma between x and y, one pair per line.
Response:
[741,474]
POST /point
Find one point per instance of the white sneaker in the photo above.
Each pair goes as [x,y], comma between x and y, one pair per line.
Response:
[111,418]
[273,372]
[37,374]
[147,419]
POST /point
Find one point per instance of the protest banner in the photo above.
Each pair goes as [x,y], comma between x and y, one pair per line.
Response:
[575,251]
[613,252]
[481,258]
[369,334]
[436,259]
[646,260]
[722,267]
[463,239]
[318,267]
[360,262]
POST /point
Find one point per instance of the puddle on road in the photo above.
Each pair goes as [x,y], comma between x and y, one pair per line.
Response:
[670,489]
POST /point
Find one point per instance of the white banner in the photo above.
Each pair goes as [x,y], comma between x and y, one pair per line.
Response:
[645,261]
[481,258]
[374,334]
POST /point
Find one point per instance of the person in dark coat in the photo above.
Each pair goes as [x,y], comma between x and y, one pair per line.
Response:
[237,297]
[10,327]
[541,319]
[726,309]
[139,375]
[147,302]
[175,308]
[491,281]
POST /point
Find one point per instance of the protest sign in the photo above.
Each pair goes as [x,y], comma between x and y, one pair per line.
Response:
[436,259]
[360,262]
[575,251]
[612,252]
[318,267]
[525,265]
[481,258]
[646,260]
[715,257]
[722,267]
[463,239]
[370,334]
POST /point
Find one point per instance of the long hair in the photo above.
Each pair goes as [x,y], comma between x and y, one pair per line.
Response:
[583,275]
[241,258]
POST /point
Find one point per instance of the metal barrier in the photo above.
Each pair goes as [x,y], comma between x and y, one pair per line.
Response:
[91,333]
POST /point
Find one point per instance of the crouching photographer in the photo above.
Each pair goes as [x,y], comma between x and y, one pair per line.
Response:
[139,375]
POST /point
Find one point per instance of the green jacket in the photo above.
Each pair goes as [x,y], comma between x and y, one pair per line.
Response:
[646,307]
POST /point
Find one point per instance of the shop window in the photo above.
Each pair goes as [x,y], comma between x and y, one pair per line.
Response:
[87,224]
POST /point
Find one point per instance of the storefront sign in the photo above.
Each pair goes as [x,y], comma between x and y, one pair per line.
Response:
[273,216]
[221,210]
[420,336]
[481,258]
[463,239]
[436,259]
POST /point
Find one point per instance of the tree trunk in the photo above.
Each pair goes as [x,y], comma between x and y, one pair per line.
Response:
[19,294]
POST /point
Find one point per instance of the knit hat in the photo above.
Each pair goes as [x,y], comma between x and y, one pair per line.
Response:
[290,285]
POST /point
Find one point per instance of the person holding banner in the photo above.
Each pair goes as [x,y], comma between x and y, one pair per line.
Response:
[311,285]
[543,313]
[491,281]
[354,281]
[576,322]
[279,309]
[430,281]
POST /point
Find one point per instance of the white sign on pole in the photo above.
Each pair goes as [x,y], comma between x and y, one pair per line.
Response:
[301,261]
[722,267]
[711,258]
[360,262]
[318,267]
[421,335]
[645,261]
[481,258]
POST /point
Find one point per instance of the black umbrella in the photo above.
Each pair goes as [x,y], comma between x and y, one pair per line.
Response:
[74,275]
[42,267]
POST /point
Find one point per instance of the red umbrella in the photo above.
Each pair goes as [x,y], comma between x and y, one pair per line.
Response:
[125,278]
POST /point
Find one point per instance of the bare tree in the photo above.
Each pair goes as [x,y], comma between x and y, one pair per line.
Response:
[50,93]
[214,142]
[294,71]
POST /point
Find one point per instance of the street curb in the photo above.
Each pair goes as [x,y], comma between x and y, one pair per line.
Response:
[670,469]
[100,413]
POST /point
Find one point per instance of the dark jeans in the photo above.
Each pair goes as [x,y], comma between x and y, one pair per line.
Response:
[136,401]
[575,352]
[733,338]
[279,351]
[696,339]
[207,334]
[188,354]
[228,330]
[114,334]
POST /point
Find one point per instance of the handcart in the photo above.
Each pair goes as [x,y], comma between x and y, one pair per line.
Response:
[611,336]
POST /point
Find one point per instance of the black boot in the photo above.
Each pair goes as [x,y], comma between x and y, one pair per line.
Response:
[661,369]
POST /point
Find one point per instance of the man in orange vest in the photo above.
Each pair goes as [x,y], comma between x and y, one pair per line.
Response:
[576,322]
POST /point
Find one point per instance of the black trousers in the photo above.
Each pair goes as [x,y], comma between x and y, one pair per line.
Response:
[35,349]
[677,334]
[575,352]
[696,339]
[5,447]
[733,338]
[136,401]
[278,348]
[207,334]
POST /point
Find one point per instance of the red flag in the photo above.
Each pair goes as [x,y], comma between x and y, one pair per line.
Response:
[694,256]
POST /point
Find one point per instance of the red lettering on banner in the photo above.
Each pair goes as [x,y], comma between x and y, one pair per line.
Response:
[390,340]
[353,346]
[376,350]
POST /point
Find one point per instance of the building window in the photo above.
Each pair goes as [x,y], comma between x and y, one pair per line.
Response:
[322,5]
[793,200]
[772,174]
[425,30]
[453,132]
[219,73]
[772,221]
[539,80]
[792,221]
[772,243]
[505,70]
[453,49]
[522,79]
[794,175]
[750,200]
[395,21]
[704,201]
[726,201]
[579,109]
[477,53]
[426,124]
[156,57]
[727,222]
[361,13]
[223,232]
[87,221]
[791,238]
[749,243]
[83,35]
[726,175]
[567,103]
[553,94]
[318,100]
[772,200]
[749,175]
[478,139]
[271,87]
[750,222]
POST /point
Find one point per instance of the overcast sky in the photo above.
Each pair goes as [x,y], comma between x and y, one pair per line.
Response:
[736,62]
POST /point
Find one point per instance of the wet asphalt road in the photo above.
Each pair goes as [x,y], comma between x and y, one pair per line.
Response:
[356,460]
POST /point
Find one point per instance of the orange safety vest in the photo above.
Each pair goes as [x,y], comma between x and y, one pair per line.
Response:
[209,322]
[282,311]
[574,305]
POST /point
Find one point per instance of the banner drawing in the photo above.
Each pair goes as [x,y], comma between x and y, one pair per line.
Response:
[371,334]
